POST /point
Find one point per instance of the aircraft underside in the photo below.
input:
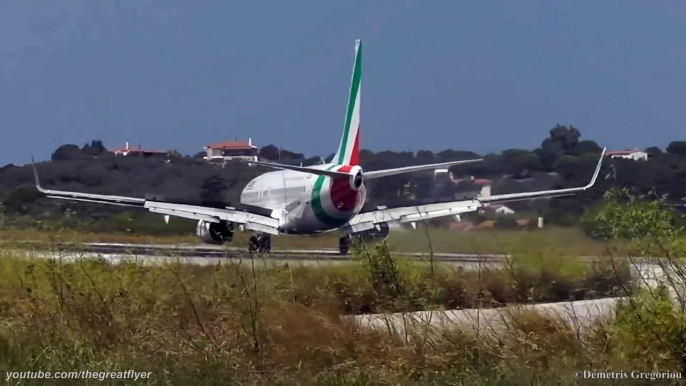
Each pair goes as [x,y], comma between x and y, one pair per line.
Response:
[223,233]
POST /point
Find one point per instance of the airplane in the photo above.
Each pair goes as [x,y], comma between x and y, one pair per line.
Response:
[297,200]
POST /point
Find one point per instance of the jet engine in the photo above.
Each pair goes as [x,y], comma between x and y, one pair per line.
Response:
[356,178]
[215,233]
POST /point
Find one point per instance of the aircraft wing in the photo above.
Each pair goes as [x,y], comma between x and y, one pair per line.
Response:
[251,221]
[411,214]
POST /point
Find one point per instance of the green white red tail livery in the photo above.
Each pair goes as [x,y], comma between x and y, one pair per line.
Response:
[349,149]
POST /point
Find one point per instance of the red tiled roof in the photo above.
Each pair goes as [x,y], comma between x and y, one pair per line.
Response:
[232,145]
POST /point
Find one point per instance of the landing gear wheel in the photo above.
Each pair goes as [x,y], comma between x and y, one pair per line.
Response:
[265,244]
[253,245]
[261,243]
[344,245]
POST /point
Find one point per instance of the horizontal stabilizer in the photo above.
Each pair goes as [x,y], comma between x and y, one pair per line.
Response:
[303,169]
[418,168]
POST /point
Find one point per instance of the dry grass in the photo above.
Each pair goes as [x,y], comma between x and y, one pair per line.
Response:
[246,323]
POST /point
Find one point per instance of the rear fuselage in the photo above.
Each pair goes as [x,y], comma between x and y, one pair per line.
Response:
[306,203]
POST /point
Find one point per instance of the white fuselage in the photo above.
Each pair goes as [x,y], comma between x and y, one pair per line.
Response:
[305,203]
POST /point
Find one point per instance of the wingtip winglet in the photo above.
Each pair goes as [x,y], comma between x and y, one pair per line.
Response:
[35,174]
[597,168]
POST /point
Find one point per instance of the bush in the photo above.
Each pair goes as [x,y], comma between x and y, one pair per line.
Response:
[506,222]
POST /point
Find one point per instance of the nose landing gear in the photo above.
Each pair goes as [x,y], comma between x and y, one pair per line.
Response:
[344,245]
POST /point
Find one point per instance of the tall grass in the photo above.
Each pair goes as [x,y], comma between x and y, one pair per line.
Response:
[250,322]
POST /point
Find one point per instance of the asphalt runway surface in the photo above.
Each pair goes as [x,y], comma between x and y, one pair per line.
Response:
[216,251]
[213,254]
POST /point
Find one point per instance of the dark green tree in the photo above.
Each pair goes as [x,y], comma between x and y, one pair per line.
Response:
[93,149]
[18,200]
[212,189]
[269,153]
[562,139]
[653,151]
[425,157]
[585,146]
[677,147]
[66,152]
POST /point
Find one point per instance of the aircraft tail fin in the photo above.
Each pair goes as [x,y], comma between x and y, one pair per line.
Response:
[349,148]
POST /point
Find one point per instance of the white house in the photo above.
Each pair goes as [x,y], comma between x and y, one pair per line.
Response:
[628,154]
[229,150]
[443,174]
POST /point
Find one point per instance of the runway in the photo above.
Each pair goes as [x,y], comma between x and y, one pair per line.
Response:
[213,254]
[216,251]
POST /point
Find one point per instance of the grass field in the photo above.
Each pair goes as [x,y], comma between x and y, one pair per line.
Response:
[551,240]
[233,324]
[250,322]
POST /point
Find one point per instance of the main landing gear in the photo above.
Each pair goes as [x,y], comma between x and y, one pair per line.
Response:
[260,243]
[344,245]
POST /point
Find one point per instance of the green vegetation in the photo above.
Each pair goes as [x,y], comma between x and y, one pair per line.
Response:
[562,160]
[247,322]
[551,241]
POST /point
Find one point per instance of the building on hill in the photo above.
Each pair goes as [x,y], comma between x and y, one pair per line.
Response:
[231,150]
[126,150]
[628,154]
[443,175]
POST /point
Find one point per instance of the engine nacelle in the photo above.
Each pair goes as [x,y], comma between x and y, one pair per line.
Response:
[216,233]
[356,178]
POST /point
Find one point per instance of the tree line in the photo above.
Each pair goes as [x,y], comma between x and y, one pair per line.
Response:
[562,160]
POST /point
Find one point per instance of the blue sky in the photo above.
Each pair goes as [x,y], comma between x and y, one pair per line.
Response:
[470,75]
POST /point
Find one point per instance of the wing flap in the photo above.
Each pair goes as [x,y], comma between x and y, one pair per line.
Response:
[409,214]
[250,220]
[188,215]
[94,201]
